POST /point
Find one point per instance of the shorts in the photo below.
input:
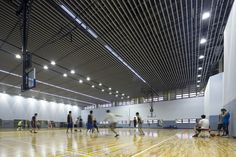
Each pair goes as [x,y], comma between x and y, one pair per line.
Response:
[69,125]
[89,126]
[112,125]
[220,126]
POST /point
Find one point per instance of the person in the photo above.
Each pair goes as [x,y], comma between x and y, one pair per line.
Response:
[95,124]
[220,123]
[111,118]
[69,122]
[19,125]
[34,123]
[80,124]
[90,122]
[135,122]
[140,122]
[197,128]
[226,117]
[203,124]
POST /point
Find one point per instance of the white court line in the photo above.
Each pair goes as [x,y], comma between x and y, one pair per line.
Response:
[152,146]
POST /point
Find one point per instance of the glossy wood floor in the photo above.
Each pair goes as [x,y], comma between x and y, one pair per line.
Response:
[156,143]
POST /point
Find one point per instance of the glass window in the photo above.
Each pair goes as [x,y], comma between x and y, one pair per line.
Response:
[185,121]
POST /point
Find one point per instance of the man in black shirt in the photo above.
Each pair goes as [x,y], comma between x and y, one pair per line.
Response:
[69,122]
[34,123]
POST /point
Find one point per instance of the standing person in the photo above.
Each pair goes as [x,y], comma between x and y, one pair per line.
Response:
[112,120]
[220,123]
[34,123]
[69,122]
[90,122]
[80,124]
[226,117]
[135,122]
[140,122]
[95,124]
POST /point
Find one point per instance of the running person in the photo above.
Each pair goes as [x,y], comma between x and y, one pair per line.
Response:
[140,122]
[90,122]
[34,123]
[20,125]
[69,122]
[135,122]
[112,120]
[95,124]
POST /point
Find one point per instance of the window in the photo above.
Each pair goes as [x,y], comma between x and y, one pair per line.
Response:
[178,96]
[178,121]
[192,120]
[155,121]
[185,121]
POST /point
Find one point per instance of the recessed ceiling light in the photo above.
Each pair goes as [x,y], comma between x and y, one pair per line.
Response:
[200,68]
[206,15]
[64,75]
[198,85]
[123,94]
[103,90]
[18,56]
[100,84]
[117,91]
[116,95]
[45,67]
[93,86]
[109,88]
[72,71]
[203,41]
[110,93]
[201,57]
[80,81]
[128,97]
[199,75]
[198,81]
[88,78]
[53,62]
[122,98]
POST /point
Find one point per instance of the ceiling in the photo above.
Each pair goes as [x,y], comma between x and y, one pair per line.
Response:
[158,40]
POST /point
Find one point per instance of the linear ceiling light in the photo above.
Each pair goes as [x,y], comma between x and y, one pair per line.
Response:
[206,15]
[118,57]
[58,87]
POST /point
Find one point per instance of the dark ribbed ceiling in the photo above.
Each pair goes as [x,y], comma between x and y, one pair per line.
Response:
[158,39]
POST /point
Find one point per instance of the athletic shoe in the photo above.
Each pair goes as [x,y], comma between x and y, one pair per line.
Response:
[117,135]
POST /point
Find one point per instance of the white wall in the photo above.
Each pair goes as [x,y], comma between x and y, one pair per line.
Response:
[230,68]
[213,99]
[17,107]
[166,110]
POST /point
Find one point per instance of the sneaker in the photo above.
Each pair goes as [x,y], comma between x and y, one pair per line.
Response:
[117,135]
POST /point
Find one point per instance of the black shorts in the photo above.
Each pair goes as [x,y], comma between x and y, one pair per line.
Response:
[220,126]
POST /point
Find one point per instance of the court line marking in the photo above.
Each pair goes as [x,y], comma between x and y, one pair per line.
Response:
[152,146]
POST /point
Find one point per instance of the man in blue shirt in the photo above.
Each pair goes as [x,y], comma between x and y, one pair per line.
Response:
[226,117]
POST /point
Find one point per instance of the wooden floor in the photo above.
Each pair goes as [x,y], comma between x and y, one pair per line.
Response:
[161,143]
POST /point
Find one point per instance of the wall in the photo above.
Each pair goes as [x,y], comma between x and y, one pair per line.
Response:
[166,110]
[17,107]
[229,68]
[213,99]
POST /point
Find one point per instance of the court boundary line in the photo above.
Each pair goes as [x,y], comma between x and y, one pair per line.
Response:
[141,152]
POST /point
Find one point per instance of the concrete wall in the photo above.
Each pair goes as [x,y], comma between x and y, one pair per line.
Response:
[166,110]
[17,107]
[230,68]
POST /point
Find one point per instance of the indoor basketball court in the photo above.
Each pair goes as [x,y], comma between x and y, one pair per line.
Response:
[133,78]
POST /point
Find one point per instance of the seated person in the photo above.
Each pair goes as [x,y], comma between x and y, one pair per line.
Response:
[203,124]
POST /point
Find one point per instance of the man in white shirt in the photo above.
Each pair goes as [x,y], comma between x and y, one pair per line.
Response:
[203,124]
[112,121]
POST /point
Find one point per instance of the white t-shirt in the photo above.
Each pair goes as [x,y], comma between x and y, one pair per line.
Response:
[111,118]
[204,123]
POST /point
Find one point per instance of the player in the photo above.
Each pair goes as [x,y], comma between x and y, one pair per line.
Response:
[220,124]
[19,125]
[112,120]
[140,122]
[90,122]
[69,122]
[95,124]
[135,122]
[226,117]
[34,123]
